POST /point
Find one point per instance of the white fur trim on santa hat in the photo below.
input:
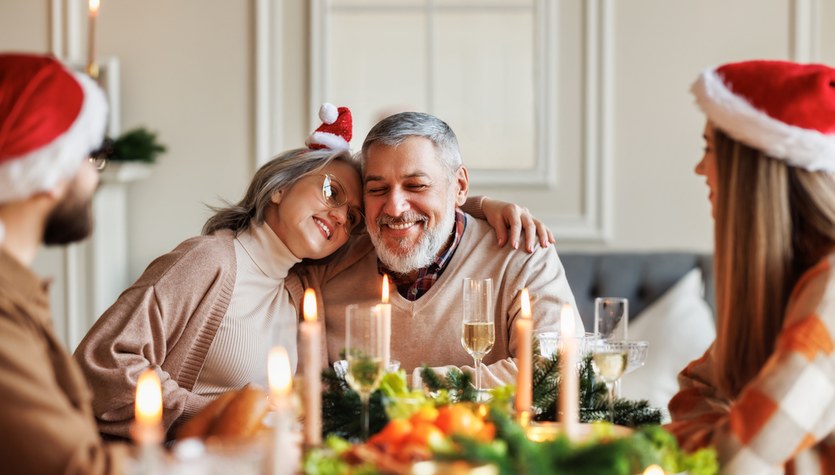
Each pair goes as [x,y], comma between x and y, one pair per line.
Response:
[804,148]
[328,113]
[329,140]
[42,169]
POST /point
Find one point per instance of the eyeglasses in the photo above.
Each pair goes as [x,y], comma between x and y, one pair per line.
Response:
[98,161]
[99,157]
[335,196]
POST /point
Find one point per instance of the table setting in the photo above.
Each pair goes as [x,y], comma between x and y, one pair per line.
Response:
[562,415]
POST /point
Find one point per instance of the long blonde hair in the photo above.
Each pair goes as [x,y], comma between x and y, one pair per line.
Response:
[773,222]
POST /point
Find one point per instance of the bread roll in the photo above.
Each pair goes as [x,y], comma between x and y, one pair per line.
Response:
[242,416]
[201,423]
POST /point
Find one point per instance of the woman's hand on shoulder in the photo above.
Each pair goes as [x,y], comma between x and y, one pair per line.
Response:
[516,225]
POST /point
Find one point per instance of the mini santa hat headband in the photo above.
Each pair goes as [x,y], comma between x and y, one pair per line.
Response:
[335,131]
[51,118]
[785,109]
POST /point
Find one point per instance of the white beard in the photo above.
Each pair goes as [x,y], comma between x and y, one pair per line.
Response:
[405,257]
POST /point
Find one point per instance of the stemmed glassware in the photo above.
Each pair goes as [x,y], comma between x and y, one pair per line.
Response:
[363,352]
[609,361]
[611,318]
[478,333]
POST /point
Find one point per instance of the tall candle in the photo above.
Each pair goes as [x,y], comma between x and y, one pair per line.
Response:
[569,385]
[147,429]
[92,65]
[311,333]
[281,383]
[385,324]
[524,328]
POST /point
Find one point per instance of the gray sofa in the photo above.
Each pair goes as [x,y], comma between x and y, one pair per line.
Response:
[641,277]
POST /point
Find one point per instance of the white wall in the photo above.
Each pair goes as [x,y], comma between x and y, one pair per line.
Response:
[188,71]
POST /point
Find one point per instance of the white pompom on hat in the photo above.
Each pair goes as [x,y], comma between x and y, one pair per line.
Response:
[50,120]
[336,129]
[785,109]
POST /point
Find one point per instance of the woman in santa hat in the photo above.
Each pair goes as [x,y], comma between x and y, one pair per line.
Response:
[764,393]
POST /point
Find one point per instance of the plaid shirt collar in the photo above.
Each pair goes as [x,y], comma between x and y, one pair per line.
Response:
[427,276]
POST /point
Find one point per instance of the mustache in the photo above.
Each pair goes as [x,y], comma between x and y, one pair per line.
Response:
[406,217]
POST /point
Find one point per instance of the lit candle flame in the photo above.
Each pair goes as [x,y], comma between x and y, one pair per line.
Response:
[148,399]
[385,288]
[94,6]
[526,304]
[654,470]
[309,305]
[278,371]
[567,320]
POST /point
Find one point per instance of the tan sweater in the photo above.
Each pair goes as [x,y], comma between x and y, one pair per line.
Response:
[166,320]
[46,421]
[428,330]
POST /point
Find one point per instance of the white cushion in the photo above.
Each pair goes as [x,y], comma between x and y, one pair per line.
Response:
[679,327]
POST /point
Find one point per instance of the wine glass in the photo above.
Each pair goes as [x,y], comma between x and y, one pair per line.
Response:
[363,353]
[478,333]
[609,361]
[611,318]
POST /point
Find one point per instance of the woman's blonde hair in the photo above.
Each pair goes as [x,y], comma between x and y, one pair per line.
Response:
[773,222]
[278,174]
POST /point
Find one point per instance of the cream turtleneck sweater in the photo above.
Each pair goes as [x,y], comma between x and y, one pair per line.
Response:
[260,315]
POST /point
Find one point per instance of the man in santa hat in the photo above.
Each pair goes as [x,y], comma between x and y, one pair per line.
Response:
[50,121]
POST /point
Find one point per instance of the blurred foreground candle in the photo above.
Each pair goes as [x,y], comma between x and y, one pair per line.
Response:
[385,324]
[147,428]
[281,383]
[311,332]
[92,65]
[569,396]
[524,329]
[654,470]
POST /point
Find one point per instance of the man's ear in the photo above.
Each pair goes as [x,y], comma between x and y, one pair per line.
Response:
[462,180]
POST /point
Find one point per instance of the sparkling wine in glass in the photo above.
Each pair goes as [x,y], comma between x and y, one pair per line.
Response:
[479,332]
[609,359]
[363,353]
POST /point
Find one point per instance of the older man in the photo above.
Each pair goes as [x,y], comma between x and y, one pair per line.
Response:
[415,184]
[50,120]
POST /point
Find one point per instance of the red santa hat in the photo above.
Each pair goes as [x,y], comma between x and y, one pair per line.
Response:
[785,109]
[51,118]
[335,131]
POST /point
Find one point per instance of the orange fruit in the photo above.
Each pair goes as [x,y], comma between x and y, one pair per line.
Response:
[393,433]
[457,419]
[487,432]
[425,434]
[424,414]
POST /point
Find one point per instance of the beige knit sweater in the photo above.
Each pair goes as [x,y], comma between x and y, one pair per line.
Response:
[428,330]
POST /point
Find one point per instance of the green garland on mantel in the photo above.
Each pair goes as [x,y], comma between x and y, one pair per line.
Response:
[341,405]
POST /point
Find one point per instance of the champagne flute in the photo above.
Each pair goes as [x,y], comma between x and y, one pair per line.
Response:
[363,352]
[609,360]
[611,318]
[611,321]
[478,333]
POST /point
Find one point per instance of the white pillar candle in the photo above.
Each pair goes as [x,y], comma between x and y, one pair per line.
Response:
[147,429]
[524,354]
[281,385]
[92,65]
[311,336]
[569,396]
[385,324]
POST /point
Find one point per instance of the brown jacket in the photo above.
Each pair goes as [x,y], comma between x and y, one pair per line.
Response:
[46,421]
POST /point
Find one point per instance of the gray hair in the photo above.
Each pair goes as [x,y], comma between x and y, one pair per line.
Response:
[278,174]
[395,129]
